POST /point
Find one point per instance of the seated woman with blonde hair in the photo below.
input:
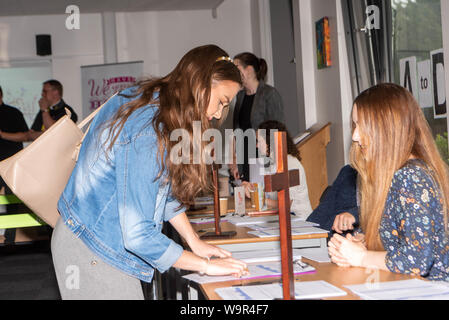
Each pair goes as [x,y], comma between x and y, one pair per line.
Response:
[404,189]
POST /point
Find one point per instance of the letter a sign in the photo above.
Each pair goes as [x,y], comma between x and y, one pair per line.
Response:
[408,77]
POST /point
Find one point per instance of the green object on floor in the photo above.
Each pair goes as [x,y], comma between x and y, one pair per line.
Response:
[22,220]
[9,199]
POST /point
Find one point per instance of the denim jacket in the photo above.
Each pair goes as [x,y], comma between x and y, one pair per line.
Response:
[112,201]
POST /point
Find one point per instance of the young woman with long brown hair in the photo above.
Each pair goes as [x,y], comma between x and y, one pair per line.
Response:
[124,185]
[404,188]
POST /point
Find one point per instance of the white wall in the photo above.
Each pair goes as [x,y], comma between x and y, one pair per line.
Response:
[324,101]
[158,38]
[347,97]
[70,49]
[162,38]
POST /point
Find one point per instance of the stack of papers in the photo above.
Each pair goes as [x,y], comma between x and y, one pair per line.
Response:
[303,290]
[295,232]
[315,254]
[263,255]
[256,271]
[275,225]
[203,201]
[414,289]
[207,219]
[246,220]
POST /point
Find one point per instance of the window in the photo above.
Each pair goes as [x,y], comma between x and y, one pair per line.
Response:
[417,32]
[402,45]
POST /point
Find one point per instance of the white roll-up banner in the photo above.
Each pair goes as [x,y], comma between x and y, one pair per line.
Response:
[99,82]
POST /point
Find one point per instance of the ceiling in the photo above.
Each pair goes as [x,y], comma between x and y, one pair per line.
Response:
[43,7]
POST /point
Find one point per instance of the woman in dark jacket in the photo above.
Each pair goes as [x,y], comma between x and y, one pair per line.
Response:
[338,208]
[256,103]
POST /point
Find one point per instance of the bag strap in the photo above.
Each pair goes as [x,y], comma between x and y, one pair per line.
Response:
[83,123]
[93,114]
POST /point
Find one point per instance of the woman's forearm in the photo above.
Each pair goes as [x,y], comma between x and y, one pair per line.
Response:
[182,224]
[375,260]
[191,262]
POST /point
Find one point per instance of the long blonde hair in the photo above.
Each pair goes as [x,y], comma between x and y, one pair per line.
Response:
[392,128]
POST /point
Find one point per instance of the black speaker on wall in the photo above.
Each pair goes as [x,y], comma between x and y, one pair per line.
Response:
[43,44]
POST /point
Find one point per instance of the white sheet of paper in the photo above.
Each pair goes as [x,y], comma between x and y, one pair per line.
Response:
[413,289]
[207,219]
[256,271]
[315,254]
[295,232]
[257,256]
[275,225]
[246,220]
[303,290]
[203,201]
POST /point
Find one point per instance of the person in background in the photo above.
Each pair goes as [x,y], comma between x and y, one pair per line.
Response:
[52,108]
[11,122]
[126,183]
[256,103]
[299,195]
[338,210]
[404,189]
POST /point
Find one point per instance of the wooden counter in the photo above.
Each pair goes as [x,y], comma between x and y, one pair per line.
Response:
[337,276]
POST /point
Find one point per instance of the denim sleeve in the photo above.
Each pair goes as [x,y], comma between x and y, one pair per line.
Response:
[136,168]
[172,208]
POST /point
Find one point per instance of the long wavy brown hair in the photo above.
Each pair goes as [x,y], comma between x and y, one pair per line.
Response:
[392,128]
[184,96]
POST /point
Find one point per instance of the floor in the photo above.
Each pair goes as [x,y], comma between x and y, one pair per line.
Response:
[27,273]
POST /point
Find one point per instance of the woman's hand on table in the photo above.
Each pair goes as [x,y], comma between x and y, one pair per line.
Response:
[349,251]
[225,266]
[343,222]
[203,249]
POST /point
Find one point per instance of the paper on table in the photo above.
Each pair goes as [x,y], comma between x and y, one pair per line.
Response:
[303,290]
[295,232]
[246,220]
[275,225]
[206,220]
[413,289]
[315,254]
[263,255]
[201,201]
[256,271]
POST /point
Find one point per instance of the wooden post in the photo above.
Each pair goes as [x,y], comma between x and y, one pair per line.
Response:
[281,182]
[218,233]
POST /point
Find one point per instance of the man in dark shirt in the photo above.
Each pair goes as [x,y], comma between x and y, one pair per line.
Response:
[52,107]
[11,121]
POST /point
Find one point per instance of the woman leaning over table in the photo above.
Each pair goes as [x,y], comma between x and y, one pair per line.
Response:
[404,189]
[125,185]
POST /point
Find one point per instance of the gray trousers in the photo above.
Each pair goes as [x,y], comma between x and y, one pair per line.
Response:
[83,276]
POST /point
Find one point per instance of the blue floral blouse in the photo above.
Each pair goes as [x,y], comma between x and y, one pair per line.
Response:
[412,227]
